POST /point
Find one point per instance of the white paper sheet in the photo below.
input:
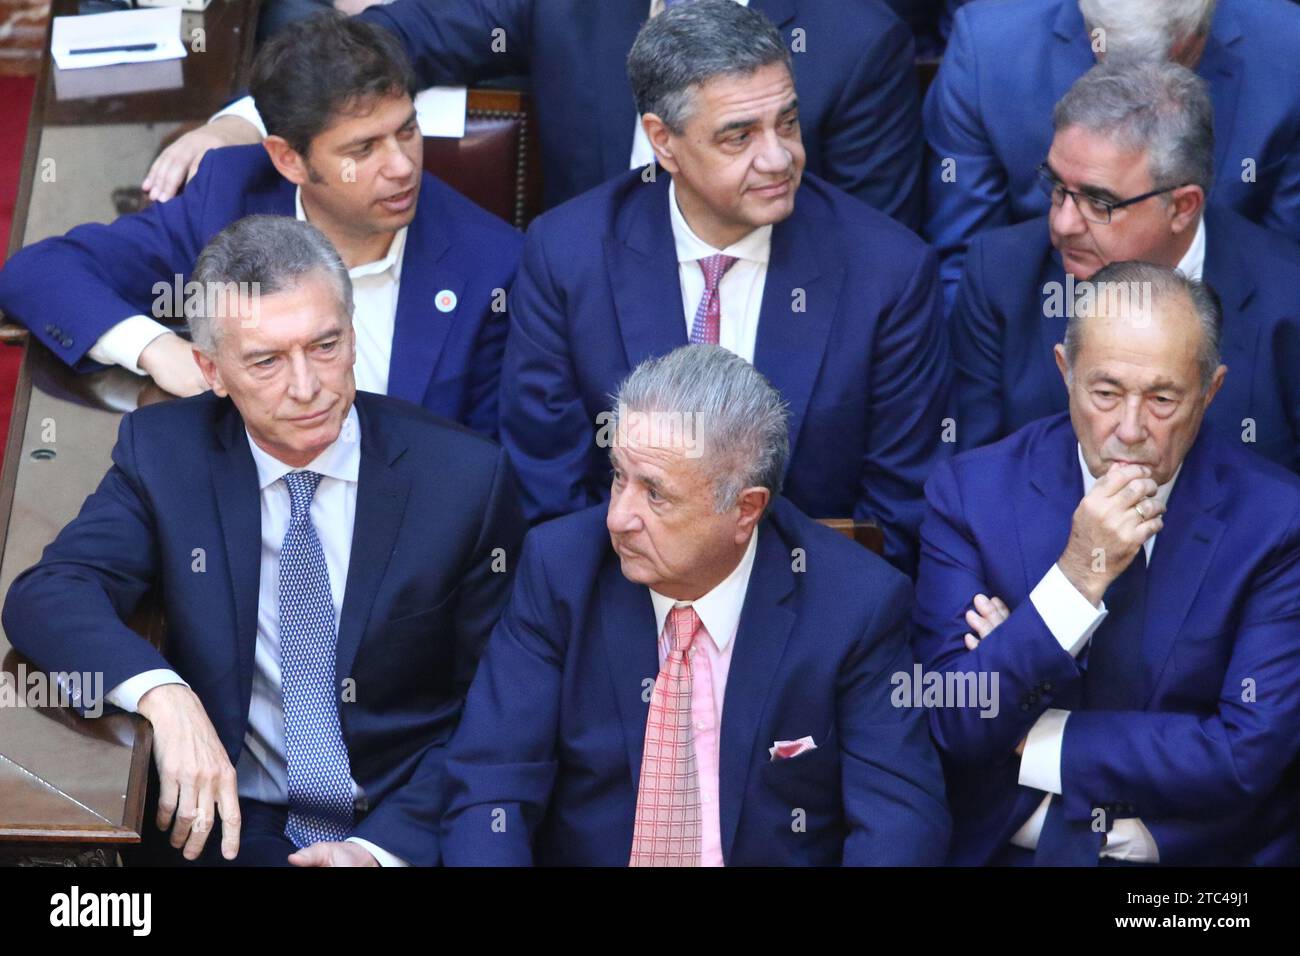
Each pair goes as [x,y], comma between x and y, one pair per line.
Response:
[161,27]
[440,111]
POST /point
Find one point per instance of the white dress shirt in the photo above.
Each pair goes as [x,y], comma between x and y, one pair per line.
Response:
[1192,264]
[375,286]
[262,771]
[1072,620]
[740,291]
[643,153]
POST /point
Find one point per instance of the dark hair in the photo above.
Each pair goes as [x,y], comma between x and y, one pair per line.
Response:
[691,43]
[327,64]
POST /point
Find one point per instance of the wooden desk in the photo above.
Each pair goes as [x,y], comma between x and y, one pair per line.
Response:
[72,789]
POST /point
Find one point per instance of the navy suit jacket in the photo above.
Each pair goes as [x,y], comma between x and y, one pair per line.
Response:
[71,289]
[555,721]
[434,501]
[1002,340]
[858,99]
[1007,64]
[1208,763]
[864,366]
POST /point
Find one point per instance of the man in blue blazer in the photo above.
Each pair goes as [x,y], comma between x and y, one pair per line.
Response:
[853,69]
[1130,579]
[1116,131]
[986,115]
[330,563]
[769,736]
[430,268]
[836,304]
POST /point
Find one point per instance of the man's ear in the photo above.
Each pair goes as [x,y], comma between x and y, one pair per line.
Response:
[288,162]
[752,503]
[1059,352]
[211,373]
[1187,202]
[660,136]
[1216,382]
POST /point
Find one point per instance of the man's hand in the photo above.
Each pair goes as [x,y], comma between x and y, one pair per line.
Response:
[195,773]
[987,614]
[169,361]
[1111,523]
[333,854]
[177,164]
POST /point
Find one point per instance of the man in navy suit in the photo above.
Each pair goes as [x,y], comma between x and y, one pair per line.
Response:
[1124,133]
[729,241]
[853,68]
[330,563]
[986,115]
[1132,579]
[429,267]
[769,736]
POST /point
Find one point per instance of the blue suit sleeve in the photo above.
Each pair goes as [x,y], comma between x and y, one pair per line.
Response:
[909,398]
[544,424]
[489,350]
[977,359]
[66,612]
[891,780]
[967,186]
[502,762]
[1017,660]
[872,144]
[460,42]
[406,821]
[75,287]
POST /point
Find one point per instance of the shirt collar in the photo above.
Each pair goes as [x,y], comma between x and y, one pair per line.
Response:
[1162,491]
[755,247]
[719,610]
[1192,263]
[341,460]
[393,260]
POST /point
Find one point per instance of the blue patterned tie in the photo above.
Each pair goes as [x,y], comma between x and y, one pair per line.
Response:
[320,776]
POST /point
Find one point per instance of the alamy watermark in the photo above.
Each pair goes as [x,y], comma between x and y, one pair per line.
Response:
[921,688]
[24,688]
[684,430]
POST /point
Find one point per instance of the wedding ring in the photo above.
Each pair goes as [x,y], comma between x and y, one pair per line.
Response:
[1138,508]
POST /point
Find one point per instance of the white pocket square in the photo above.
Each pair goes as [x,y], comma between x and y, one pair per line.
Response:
[785,749]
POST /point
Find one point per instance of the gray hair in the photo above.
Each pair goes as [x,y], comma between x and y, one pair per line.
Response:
[740,419]
[1158,283]
[264,254]
[691,43]
[1147,28]
[1159,107]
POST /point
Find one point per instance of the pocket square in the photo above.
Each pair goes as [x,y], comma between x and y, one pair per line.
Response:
[785,749]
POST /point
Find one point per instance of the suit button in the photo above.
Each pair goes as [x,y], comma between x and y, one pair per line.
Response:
[1024,705]
[1047,687]
[51,329]
[66,341]
[1032,698]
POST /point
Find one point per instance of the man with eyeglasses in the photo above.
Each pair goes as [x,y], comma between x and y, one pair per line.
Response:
[1127,175]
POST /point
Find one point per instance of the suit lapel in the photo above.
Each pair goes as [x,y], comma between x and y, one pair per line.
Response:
[619,23]
[1043,517]
[627,626]
[765,625]
[1181,556]
[791,345]
[239,506]
[780,12]
[1221,68]
[644,275]
[381,502]
[1073,54]
[419,329]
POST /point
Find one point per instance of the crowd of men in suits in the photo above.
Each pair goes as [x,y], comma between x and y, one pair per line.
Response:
[1037,326]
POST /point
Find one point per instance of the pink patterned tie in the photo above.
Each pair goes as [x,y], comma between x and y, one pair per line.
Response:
[667,828]
[708,316]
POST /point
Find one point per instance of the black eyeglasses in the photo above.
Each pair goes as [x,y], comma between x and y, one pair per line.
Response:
[1090,207]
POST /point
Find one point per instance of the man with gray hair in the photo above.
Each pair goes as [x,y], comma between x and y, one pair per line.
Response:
[573,752]
[330,563]
[727,240]
[1127,178]
[1131,576]
[986,115]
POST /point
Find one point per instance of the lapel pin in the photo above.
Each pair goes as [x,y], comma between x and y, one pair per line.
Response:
[445,300]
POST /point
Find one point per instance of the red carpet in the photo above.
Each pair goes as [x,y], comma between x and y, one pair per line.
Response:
[16,94]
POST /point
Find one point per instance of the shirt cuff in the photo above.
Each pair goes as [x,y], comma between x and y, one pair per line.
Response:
[127,694]
[383,856]
[1040,764]
[245,110]
[1068,614]
[123,343]
[1130,840]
